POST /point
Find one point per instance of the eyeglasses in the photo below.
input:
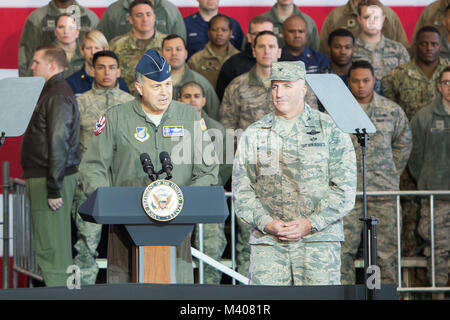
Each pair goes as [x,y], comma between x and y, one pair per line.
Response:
[445,83]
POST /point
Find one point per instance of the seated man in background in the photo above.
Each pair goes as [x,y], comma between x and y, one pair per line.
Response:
[295,35]
[175,53]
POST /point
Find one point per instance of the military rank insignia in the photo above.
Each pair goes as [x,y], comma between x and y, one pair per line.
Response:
[162,200]
[100,125]
[141,134]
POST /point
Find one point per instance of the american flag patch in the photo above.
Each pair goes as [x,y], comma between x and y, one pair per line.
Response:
[100,125]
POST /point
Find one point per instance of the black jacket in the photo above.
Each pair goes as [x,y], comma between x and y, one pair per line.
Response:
[50,146]
[236,65]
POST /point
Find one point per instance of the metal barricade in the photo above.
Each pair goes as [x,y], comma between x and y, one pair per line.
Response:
[23,253]
[24,261]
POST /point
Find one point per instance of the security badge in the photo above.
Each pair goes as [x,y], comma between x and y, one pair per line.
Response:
[173,131]
[141,134]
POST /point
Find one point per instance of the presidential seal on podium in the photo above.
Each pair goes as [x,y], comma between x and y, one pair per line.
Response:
[162,200]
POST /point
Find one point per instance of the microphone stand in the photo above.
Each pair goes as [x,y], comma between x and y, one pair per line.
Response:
[370,223]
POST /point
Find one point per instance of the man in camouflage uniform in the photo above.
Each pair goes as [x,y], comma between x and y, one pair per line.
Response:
[282,10]
[346,17]
[383,53]
[445,51]
[432,16]
[92,104]
[246,100]
[175,53]
[386,157]
[244,60]
[40,25]
[294,179]
[115,20]
[413,86]
[143,36]
[428,165]
[210,59]
[213,233]
[124,133]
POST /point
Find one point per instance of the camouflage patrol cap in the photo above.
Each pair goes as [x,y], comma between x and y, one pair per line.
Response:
[154,66]
[287,71]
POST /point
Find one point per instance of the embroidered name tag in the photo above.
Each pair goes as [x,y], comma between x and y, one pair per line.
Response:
[173,131]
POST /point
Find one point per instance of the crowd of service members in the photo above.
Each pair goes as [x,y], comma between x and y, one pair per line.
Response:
[223,73]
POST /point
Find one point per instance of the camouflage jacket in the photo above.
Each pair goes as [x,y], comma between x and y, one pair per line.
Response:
[94,103]
[212,101]
[39,30]
[113,156]
[308,172]
[429,161]
[129,52]
[114,21]
[388,149]
[75,64]
[345,17]
[208,63]
[387,55]
[410,87]
[245,101]
[313,34]
[432,16]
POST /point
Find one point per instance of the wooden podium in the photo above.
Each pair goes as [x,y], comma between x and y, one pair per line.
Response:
[155,240]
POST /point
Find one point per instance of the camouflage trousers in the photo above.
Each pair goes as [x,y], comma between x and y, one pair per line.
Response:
[298,263]
[88,238]
[410,217]
[441,237]
[243,247]
[384,210]
[214,243]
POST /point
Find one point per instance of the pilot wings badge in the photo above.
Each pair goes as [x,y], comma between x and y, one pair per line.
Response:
[162,200]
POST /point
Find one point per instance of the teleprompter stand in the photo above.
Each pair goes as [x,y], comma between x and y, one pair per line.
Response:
[350,118]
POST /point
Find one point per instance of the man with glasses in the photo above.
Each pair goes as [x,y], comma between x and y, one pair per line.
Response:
[428,165]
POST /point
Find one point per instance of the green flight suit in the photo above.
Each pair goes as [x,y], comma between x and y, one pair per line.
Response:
[113,159]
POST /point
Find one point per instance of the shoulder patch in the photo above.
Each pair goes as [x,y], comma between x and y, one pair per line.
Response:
[100,125]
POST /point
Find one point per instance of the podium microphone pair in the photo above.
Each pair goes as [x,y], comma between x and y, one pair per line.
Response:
[148,167]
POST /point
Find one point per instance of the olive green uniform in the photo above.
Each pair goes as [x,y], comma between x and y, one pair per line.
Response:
[39,29]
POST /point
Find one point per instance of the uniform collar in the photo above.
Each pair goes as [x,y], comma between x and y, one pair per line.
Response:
[365,45]
[169,113]
[102,91]
[272,122]
[439,107]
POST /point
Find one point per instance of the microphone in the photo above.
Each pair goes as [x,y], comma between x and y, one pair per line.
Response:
[166,164]
[147,165]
